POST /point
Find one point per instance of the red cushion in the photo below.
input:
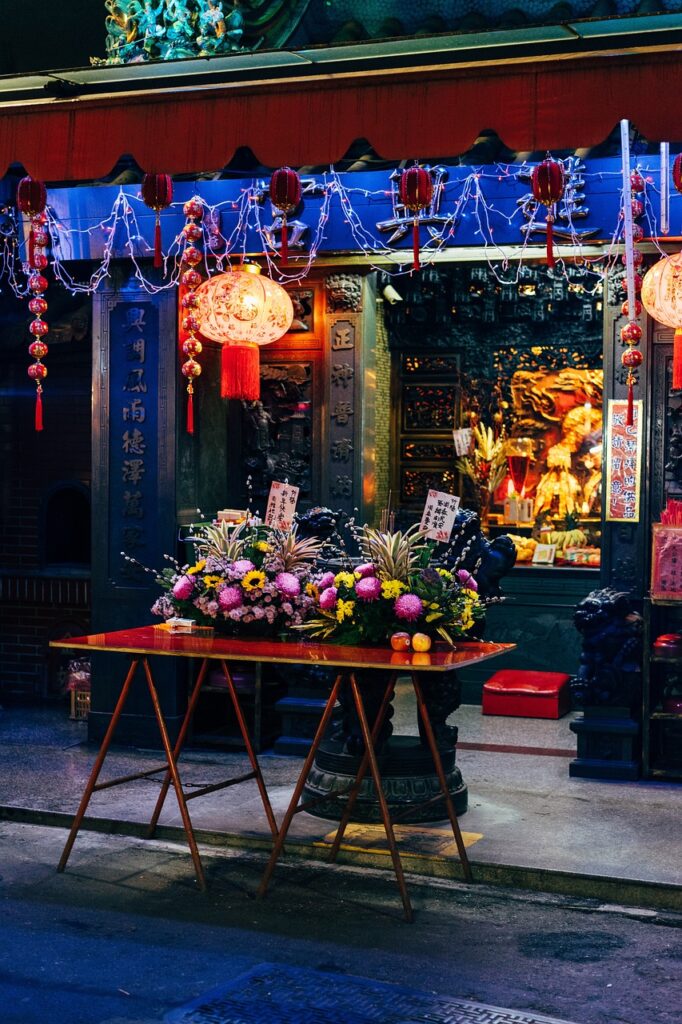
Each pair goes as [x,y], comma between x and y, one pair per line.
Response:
[531,684]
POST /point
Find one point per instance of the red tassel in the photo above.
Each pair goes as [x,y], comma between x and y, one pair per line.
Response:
[415,244]
[550,240]
[285,242]
[240,372]
[190,412]
[677,360]
[39,411]
[157,242]
[629,419]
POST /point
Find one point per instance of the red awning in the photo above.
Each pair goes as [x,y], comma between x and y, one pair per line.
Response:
[533,106]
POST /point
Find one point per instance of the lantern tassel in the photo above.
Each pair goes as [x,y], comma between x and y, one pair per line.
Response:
[190,410]
[677,360]
[415,244]
[39,410]
[629,418]
[550,240]
[240,372]
[157,242]
[285,242]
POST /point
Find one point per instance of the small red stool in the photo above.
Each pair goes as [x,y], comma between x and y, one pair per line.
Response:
[526,694]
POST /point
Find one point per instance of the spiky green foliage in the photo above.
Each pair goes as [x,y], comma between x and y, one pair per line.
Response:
[396,556]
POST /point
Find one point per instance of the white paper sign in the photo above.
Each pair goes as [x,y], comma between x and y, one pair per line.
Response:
[438,516]
[462,439]
[281,505]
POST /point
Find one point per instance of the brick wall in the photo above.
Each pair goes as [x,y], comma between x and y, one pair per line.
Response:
[39,602]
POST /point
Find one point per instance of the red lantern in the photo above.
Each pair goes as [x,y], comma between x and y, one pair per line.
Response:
[547,182]
[285,195]
[415,191]
[677,172]
[32,200]
[157,194]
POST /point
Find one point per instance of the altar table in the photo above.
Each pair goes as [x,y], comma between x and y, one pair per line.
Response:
[146,641]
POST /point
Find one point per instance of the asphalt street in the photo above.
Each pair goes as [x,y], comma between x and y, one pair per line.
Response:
[125,936]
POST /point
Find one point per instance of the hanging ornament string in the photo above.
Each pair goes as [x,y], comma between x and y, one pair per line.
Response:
[157,193]
[32,200]
[415,191]
[285,195]
[665,188]
[189,282]
[631,334]
[547,183]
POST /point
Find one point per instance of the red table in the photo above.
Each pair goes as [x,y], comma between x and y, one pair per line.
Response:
[143,642]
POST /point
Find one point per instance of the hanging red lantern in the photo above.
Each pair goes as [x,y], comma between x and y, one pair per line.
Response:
[415,192]
[285,195]
[157,194]
[242,310]
[189,281]
[547,182]
[32,200]
[662,299]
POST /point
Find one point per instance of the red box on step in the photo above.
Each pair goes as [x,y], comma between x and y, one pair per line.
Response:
[522,694]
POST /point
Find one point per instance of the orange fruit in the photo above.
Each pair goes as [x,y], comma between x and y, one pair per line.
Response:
[421,642]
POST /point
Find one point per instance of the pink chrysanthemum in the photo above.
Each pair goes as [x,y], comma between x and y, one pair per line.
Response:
[466,579]
[240,568]
[328,599]
[182,588]
[368,589]
[229,598]
[288,584]
[325,581]
[408,607]
[366,569]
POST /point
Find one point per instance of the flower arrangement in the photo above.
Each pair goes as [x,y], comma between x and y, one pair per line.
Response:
[394,589]
[245,579]
[486,463]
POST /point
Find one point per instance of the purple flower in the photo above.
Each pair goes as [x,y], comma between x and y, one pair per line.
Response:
[325,581]
[328,599]
[408,607]
[366,569]
[466,579]
[240,568]
[229,598]
[368,589]
[288,584]
[182,589]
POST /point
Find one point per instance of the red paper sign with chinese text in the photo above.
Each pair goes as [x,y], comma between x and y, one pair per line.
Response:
[623,459]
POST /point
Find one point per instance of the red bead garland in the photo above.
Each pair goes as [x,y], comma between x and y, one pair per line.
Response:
[631,333]
[32,200]
[190,280]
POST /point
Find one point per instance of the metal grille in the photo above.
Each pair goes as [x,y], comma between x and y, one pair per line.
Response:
[272,994]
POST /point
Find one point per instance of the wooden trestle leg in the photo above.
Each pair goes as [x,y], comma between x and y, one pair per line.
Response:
[97,767]
[172,768]
[179,743]
[293,803]
[267,806]
[438,764]
[383,805]
[362,770]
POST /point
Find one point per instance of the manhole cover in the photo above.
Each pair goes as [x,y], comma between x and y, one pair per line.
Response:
[271,994]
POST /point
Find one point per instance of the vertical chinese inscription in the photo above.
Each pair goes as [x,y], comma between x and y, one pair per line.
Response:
[623,462]
[134,330]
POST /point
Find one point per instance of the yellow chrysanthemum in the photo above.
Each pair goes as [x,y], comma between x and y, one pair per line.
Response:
[432,616]
[344,579]
[199,567]
[445,573]
[312,590]
[344,610]
[392,588]
[253,580]
[211,581]
[262,545]
[470,594]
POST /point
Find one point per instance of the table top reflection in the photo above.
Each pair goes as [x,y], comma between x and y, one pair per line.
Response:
[205,643]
